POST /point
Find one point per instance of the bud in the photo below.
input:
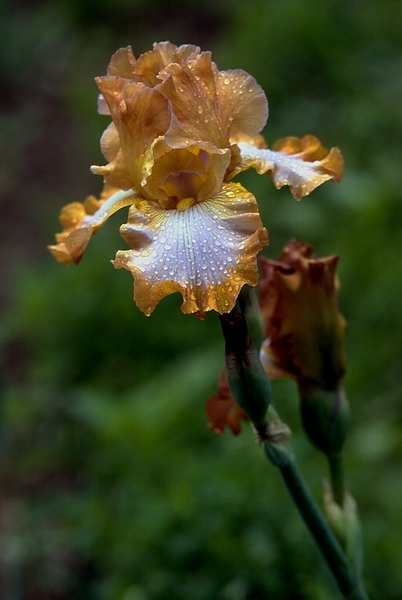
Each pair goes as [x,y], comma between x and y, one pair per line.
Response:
[248,382]
[345,523]
[249,302]
[304,338]
[325,417]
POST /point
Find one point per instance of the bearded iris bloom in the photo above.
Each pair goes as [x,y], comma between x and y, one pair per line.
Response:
[180,131]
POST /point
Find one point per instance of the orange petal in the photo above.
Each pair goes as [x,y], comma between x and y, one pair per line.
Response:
[206,252]
[151,63]
[122,63]
[304,329]
[302,164]
[243,102]
[115,173]
[140,114]
[211,105]
[79,225]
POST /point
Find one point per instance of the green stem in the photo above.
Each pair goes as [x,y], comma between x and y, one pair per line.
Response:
[325,539]
[337,479]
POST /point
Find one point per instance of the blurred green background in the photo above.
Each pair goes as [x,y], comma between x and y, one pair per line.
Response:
[111,485]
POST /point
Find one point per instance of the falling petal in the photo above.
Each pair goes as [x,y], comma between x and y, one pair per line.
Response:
[302,166]
[207,252]
[79,226]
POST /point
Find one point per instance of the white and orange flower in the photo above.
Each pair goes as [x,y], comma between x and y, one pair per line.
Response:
[180,131]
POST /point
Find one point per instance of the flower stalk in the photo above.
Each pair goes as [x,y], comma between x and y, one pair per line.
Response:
[335,462]
[248,383]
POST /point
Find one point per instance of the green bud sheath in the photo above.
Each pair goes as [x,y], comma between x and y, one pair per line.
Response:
[248,382]
[325,417]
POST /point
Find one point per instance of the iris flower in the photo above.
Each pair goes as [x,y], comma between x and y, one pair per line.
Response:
[180,131]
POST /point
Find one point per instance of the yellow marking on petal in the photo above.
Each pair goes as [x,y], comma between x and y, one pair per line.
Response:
[206,252]
[185,203]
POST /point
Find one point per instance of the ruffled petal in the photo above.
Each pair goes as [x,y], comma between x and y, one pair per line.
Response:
[304,329]
[243,101]
[211,105]
[122,63]
[301,163]
[151,63]
[80,222]
[207,252]
[140,114]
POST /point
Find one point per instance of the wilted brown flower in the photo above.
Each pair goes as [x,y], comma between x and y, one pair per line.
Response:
[304,329]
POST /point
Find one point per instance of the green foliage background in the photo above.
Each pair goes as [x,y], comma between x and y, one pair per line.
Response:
[111,486]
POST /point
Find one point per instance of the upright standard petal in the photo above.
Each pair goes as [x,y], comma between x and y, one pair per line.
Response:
[151,63]
[140,114]
[115,173]
[211,105]
[301,163]
[207,251]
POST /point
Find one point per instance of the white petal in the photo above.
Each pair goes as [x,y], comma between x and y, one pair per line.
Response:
[206,252]
[302,176]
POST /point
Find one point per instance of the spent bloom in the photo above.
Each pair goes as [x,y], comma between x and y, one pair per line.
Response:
[180,131]
[304,329]
[304,339]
